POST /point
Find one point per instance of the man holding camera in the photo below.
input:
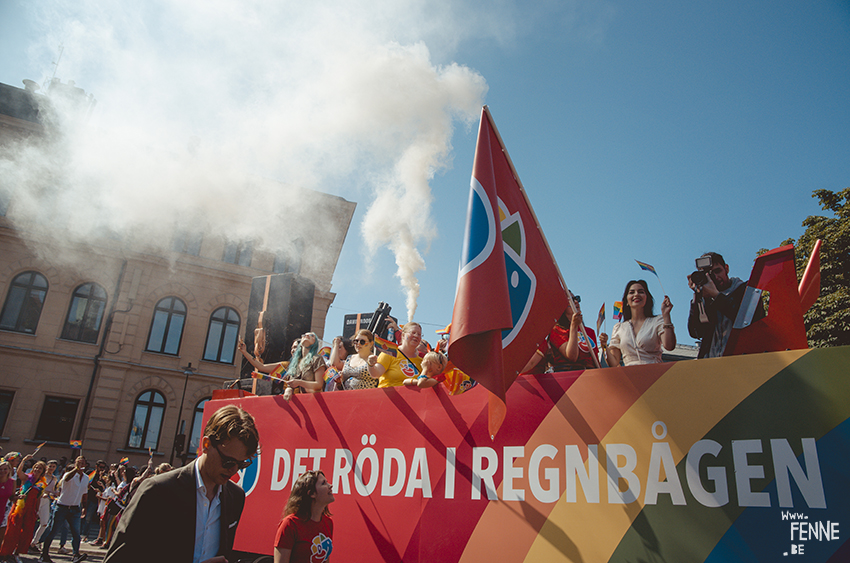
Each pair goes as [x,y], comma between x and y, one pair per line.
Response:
[717,298]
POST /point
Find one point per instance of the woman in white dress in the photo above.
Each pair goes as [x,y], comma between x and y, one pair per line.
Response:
[638,338]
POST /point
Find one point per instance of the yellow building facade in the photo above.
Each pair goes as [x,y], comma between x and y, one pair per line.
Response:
[120,346]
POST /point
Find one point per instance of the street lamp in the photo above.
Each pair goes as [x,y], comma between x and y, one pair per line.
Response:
[180,429]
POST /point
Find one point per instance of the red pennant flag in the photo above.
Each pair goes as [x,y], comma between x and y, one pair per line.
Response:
[509,291]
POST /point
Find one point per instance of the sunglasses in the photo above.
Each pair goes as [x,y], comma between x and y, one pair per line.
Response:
[361,341]
[228,462]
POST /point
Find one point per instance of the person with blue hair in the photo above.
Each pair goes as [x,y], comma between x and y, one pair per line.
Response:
[307,367]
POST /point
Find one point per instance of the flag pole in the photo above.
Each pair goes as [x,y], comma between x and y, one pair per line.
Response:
[537,225]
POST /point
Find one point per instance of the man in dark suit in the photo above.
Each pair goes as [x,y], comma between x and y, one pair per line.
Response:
[191,513]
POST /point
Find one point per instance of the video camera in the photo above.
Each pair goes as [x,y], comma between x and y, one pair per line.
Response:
[700,276]
[380,320]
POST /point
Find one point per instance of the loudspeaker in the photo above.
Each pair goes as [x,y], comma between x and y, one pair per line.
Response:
[286,301]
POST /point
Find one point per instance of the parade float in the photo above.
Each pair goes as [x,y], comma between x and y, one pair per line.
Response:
[737,458]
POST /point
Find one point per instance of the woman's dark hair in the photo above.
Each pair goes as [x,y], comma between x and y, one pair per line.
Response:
[130,473]
[650,302]
[348,345]
[300,501]
[566,318]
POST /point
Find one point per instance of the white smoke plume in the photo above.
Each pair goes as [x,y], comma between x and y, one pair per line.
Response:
[194,98]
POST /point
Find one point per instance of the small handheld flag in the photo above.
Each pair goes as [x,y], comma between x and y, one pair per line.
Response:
[75,444]
[265,376]
[41,445]
[386,347]
[618,310]
[646,267]
[124,461]
[601,318]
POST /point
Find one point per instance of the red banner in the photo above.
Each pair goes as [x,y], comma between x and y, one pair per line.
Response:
[718,460]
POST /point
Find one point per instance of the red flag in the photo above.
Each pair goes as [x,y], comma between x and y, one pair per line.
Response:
[810,282]
[509,290]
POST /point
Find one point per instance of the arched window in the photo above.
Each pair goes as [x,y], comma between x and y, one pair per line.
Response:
[197,428]
[147,420]
[167,326]
[85,313]
[22,308]
[222,335]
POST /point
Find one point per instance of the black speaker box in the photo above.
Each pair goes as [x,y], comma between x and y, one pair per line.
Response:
[287,302]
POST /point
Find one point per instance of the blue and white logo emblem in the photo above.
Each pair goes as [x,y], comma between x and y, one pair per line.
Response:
[247,478]
[521,281]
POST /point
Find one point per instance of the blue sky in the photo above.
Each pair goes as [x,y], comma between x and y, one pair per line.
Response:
[653,131]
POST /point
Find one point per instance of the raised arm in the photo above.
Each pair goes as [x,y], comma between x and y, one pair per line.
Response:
[668,337]
[335,360]
[265,368]
[569,349]
[21,475]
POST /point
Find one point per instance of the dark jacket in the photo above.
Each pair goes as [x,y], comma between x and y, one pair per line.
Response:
[159,523]
[726,305]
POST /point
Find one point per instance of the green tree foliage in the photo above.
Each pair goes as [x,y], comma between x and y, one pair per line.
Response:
[828,321]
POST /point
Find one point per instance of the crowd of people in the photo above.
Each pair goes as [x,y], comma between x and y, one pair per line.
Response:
[46,498]
[355,364]
[640,337]
[43,499]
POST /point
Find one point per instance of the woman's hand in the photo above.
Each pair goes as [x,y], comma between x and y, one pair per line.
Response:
[666,307]
[240,345]
[372,360]
[576,320]
[603,340]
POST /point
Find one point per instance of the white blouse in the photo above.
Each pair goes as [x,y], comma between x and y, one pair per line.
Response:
[641,348]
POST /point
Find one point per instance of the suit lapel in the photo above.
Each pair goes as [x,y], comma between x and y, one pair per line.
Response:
[187,488]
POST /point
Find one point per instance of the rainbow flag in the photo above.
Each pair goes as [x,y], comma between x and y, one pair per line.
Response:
[446,330]
[647,267]
[92,474]
[280,370]
[124,461]
[618,310]
[41,445]
[325,352]
[332,377]
[331,372]
[75,444]
[385,346]
[265,376]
